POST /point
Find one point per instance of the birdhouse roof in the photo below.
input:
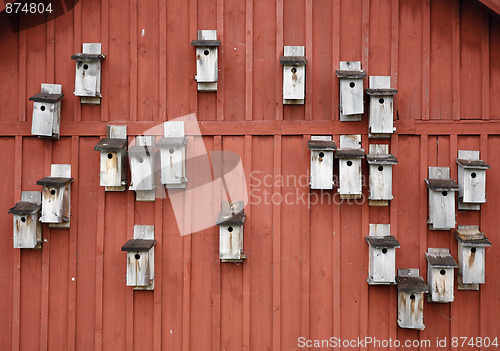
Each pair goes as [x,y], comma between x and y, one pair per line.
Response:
[47,97]
[380,242]
[25,207]
[350,153]
[326,145]
[111,144]
[473,164]
[381,159]
[54,181]
[441,184]
[138,245]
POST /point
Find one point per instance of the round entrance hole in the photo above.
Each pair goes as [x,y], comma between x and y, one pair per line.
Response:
[171,151]
[137,256]
[42,108]
[412,297]
[206,52]
[294,70]
[442,272]
[140,160]
[349,163]
[444,193]
[23,219]
[384,250]
[230,229]
[473,175]
[52,192]
[321,154]
[110,156]
[473,250]
[380,101]
[352,84]
[380,168]
[85,67]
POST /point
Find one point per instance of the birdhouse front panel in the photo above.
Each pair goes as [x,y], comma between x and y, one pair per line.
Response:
[382,255]
[322,148]
[441,198]
[440,275]
[88,73]
[351,90]
[27,226]
[138,269]
[411,288]
[381,106]
[173,155]
[140,258]
[113,165]
[294,74]
[56,196]
[230,221]
[207,71]
[380,163]
[350,155]
[471,180]
[471,254]
[47,111]
[142,164]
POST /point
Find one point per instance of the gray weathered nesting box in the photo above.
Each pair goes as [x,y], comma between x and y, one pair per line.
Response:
[27,225]
[380,162]
[322,148]
[173,155]
[381,107]
[207,72]
[441,198]
[350,154]
[88,73]
[471,256]
[230,222]
[382,255]
[294,75]
[351,90]
[140,258]
[47,111]
[471,180]
[56,196]
[142,168]
[440,275]
[113,172]
[411,290]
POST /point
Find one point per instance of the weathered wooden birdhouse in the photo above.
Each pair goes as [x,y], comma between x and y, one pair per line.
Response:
[141,258]
[471,180]
[411,290]
[56,196]
[230,222]
[27,225]
[350,154]
[441,198]
[294,75]
[380,162]
[47,111]
[142,168]
[381,107]
[382,255]
[351,90]
[471,256]
[173,155]
[440,275]
[88,73]
[113,148]
[207,72]
[322,148]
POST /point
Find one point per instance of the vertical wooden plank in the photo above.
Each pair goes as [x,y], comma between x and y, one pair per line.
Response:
[162,94]
[247,248]
[105,65]
[16,293]
[220,82]
[455,328]
[99,269]
[310,59]
[305,246]
[336,228]
[423,212]
[365,223]
[77,47]
[249,60]
[157,297]
[279,52]
[129,294]
[216,277]
[365,34]
[22,75]
[394,45]
[133,61]
[277,245]
[335,63]
[483,306]
[455,24]
[186,296]
[393,324]
[426,53]
[485,65]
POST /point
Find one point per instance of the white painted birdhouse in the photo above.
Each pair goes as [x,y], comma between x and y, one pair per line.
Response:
[441,198]
[382,255]
[322,148]
[207,72]
[230,222]
[142,168]
[381,107]
[350,155]
[140,258]
[440,275]
[27,225]
[113,171]
[294,75]
[351,90]
[471,180]
[380,162]
[411,290]
[47,111]
[173,155]
[88,73]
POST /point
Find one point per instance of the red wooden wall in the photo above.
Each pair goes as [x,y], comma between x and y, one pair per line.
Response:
[306,267]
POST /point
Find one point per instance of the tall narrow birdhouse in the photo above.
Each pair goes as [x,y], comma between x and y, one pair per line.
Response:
[230,222]
[411,290]
[350,154]
[441,198]
[294,75]
[471,256]
[380,162]
[142,168]
[351,90]
[382,255]
[141,258]
[173,155]
[440,275]
[207,72]
[471,180]
[47,111]
[381,107]
[88,73]
[27,225]
[56,197]
[322,148]
[113,173]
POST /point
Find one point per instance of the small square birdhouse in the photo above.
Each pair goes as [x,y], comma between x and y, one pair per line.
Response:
[471,180]
[440,275]
[230,222]
[294,75]
[382,255]
[88,73]
[47,111]
[380,162]
[441,198]
[27,225]
[351,90]
[113,172]
[207,72]
[142,168]
[140,258]
[381,107]
[411,290]
[322,148]
[173,155]
[350,155]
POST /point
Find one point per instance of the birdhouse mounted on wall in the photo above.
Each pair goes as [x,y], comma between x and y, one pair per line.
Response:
[230,222]
[27,225]
[88,73]
[173,155]
[141,258]
[207,72]
[350,154]
[113,172]
[380,162]
[351,90]
[47,111]
[471,180]
[440,277]
[381,107]
[294,75]
[56,197]
[471,256]
[441,198]
[411,290]
[322,148]
[142,168]
[382,255]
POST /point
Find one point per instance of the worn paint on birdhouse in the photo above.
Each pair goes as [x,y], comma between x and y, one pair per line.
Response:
[140,258]
[113,172]
[411,290]
[47,111]
[88,73]
[173,155]
[440,275]
[441,198]
[351,90]
[27,226]
[322,148]
[471,180]
[380,162]
[294,75]
[382,255]
[230,221]
[207,72]
[142,168]
[350,154]
[381,107]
